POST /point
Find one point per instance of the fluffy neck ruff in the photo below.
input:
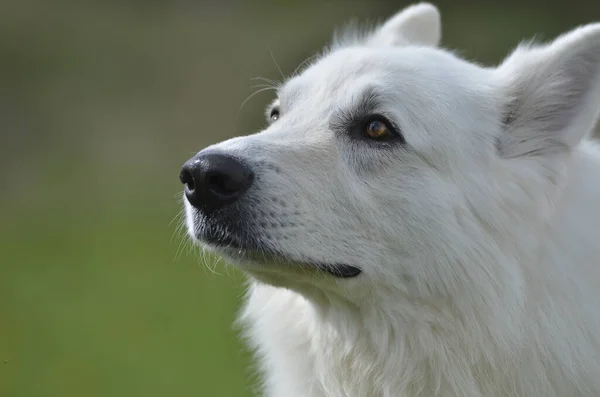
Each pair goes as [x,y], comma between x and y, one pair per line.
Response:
[334,348]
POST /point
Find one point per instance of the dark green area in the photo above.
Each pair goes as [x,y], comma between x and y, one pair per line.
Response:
[100,104]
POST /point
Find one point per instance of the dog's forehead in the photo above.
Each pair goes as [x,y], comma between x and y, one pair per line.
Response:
[333,72]
[343,72]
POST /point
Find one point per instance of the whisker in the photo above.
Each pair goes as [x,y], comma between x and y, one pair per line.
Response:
[276,64]
[274,83]
[303,63]
[253,94]
[178,215]
[183,244]
[263,85]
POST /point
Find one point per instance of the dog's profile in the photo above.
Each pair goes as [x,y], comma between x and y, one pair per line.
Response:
[414,224]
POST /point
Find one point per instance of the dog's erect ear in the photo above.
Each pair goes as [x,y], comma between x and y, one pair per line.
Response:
[552,93]
[419,24]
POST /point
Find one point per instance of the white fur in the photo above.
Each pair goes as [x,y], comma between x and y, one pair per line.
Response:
[478,239]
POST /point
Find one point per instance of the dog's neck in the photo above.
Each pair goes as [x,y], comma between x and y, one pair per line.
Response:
[338,346]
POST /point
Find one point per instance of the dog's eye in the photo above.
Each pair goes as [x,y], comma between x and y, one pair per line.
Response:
[378,129]
[274,116]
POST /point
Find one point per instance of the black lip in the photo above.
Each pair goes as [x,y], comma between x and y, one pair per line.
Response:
[219,239]
[227,241]
[341,271]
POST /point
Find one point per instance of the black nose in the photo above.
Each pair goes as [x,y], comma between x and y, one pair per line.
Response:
[214,180]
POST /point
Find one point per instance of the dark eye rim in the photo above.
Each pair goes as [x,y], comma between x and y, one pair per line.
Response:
[274,114]
[394,132]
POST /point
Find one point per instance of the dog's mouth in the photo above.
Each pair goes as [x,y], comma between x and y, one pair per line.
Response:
[254,251]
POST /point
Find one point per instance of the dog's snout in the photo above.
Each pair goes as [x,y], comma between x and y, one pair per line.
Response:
[214,180]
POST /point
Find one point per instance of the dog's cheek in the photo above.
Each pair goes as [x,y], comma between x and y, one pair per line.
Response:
[366,159]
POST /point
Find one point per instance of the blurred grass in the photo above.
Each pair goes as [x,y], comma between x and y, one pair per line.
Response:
[97,307]
[100,104]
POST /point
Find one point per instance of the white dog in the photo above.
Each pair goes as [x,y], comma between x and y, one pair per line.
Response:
[414,224]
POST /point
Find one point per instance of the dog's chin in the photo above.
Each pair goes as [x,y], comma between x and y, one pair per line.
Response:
[253,256]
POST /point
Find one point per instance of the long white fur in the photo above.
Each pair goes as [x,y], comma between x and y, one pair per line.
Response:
[478,241]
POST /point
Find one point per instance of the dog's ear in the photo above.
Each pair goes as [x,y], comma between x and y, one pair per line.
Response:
[418,24]
[551,93]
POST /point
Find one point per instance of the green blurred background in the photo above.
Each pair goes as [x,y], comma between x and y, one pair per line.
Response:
[100,104]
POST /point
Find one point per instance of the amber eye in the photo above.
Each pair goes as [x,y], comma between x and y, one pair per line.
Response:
[378,130]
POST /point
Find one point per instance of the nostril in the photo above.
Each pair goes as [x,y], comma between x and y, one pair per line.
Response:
[187,179]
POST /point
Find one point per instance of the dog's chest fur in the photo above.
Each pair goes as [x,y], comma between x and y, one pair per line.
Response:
[302,355]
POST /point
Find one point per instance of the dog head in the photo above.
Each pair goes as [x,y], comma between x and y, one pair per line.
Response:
[392,164]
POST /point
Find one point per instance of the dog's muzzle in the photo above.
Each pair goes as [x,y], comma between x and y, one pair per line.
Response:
[215,183]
